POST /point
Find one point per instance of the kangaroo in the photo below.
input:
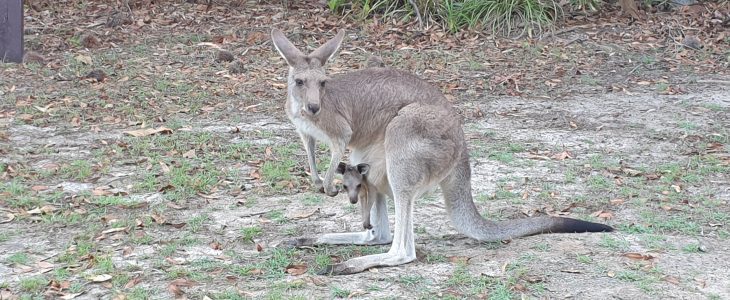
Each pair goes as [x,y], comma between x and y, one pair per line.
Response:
[413,140]
[355,183]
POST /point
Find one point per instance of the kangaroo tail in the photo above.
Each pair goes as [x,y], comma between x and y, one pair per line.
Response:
[465,216]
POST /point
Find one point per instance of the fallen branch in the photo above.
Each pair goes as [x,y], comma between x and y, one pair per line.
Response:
[418,14]
[723,82]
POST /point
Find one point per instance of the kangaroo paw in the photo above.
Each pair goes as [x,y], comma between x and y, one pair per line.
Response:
[300,242]
[338,269]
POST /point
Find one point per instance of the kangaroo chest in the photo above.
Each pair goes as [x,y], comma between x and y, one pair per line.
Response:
[303,124]
[307,127]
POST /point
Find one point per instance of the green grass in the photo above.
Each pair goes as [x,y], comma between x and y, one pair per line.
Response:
[77,169]
[5,236]
[338,292]
[33,284]
[249,233]
[277,216]
[613,243]
[18,258]
[104,264]
[692,248]
[498,16]
[411,281]
[584,259]
[196,223]
[599,182]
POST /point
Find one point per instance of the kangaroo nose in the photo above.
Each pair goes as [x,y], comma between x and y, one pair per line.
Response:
[313,108]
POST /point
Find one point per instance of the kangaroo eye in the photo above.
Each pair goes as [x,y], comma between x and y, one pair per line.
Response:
[358,185]
[344,187]
[321,84]
[299,82]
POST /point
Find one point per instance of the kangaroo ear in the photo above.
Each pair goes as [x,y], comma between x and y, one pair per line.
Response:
[363,169]
[341,168]
[286,49]
[326,51]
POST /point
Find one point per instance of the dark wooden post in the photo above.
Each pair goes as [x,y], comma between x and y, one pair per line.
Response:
[11,30]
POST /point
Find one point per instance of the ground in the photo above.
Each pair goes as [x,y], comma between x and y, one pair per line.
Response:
[138,162]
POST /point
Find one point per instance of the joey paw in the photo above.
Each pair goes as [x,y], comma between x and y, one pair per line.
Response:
[332,193]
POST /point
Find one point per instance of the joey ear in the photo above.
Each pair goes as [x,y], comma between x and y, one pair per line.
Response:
[328,49]
[341,168]
[363,169]
[286,49]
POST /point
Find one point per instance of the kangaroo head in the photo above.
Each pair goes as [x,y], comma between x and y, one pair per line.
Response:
[307,78]
[353,179]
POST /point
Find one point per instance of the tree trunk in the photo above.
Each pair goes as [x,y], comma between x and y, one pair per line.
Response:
[11,30]
[629,6]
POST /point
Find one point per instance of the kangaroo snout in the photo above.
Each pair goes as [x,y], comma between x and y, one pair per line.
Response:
[313,108]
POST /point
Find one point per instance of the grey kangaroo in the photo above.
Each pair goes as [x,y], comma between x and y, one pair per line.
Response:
[412,139]
[358,188]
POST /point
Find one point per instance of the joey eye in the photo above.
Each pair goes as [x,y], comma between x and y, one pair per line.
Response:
[358,185]
[299,82]
[321,84]
[344,187]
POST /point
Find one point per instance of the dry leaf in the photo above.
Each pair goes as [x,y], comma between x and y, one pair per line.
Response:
[149,131]
[671,279]
[67,296]
[158,218]
[255,174]
[458,259]
[39,188]
[302,214]
[165,169]
[259,248]
[85,59]
[296,270]
[176,225]
[255,272]
[7,294]
[652,176]
[638,256]
[538,157]
[127,251]
[562,155]
[606,215]
[8,218]
[45,209]
[631,172]
[112,230]
[216,246]
[133,282]
[617,201]
[175,290]
[183,282]
[190,154]
[101,278]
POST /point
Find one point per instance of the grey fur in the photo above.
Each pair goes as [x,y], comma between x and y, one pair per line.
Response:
[411,137]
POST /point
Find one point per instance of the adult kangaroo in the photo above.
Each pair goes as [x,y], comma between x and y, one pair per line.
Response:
[411,137]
